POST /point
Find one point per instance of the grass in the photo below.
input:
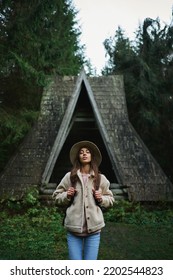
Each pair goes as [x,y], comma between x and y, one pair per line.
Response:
[131,232]
[136,242]
[33,236]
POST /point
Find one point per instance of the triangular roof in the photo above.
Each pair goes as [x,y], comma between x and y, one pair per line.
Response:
[47,145]
[67,123]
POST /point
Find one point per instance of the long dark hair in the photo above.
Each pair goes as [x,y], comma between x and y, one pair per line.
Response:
[94,167]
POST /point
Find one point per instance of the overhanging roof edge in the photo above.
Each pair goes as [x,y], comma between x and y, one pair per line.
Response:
[102,128]
[63,130]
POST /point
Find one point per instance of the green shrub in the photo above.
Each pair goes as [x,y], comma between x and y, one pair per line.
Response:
[137,213]
[36,234]
[29,199]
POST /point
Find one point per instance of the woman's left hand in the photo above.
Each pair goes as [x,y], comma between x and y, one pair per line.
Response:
[97,195]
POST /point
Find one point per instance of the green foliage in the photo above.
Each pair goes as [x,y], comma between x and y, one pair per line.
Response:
[147,66]
[31,197]
[13,128]
[132,232]
[121,241]
[136,213]
[33,235]
[38,39]
[31,230]
[120,53]
[29,200]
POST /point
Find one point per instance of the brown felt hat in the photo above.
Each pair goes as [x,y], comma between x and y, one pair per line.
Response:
[85,144]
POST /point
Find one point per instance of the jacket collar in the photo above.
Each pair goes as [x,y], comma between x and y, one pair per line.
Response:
[92,175]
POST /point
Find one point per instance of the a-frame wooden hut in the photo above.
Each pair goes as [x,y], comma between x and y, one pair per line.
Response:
[86,108]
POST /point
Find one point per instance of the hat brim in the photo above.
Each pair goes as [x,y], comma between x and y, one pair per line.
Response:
[85,144]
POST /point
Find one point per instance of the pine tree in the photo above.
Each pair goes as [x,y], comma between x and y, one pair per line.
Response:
[38,39]
[146,65]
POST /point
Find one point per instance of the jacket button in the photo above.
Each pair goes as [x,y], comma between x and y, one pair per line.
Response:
[88,218]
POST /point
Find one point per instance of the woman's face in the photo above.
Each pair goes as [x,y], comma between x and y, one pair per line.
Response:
[84,156]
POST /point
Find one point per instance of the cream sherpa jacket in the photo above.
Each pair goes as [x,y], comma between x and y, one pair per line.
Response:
[84,205]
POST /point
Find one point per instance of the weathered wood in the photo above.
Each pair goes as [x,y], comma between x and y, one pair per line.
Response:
[46,197]
[117,190]
[47,191]
[43,157]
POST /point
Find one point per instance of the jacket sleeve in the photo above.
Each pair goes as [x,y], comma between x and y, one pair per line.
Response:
[107,195]
[60,194]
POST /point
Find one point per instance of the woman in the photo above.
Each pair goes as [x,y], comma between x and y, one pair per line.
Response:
[84,190]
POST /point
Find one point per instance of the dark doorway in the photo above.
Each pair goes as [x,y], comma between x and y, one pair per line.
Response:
[83,127]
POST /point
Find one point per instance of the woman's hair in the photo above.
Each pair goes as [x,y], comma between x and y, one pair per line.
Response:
[94,167]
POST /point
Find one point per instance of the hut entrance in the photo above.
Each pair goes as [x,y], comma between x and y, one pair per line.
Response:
[83,126]
[85,108]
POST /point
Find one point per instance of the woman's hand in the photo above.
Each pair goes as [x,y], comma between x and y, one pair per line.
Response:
[71,192]
[97,195]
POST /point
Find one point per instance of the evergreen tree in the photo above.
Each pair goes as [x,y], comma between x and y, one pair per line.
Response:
[38,38]
[146,65]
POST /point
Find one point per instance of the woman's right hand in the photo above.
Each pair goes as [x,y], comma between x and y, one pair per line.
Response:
[71,192]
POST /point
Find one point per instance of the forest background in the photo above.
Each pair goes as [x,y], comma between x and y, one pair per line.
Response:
[40,39]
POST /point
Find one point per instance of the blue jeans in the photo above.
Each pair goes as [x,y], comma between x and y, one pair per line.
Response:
[83,247]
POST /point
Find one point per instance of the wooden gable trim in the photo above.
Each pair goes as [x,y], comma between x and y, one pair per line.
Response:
[103,130]
[67,123]
[63,131]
